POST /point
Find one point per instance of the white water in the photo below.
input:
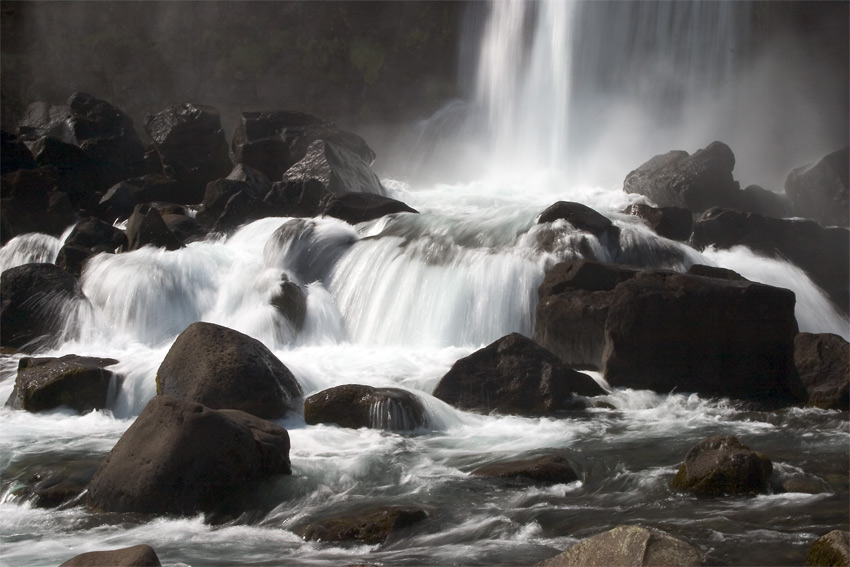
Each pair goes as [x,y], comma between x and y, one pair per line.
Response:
[396,302]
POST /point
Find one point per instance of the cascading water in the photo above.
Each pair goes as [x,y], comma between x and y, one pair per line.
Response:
[396,301]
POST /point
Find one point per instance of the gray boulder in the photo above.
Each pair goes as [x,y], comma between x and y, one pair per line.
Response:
[674,223]
[821,191]
[225,369]
[823,362]
[720,466]
[179,457]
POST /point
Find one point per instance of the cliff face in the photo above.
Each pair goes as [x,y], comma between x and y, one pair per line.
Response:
[362,61]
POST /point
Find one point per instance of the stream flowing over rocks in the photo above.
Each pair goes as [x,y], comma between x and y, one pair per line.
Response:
[258,347]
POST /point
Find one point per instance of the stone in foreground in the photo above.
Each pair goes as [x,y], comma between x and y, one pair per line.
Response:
[135,556]
[831,550]
[720,466]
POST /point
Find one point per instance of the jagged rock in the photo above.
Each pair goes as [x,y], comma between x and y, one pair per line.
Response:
[145,227]
[674,223]
[830,550]
[90,236]
[356,406]
[823,362]
[79,382]
[666,331]
[43,119]
[694,182]
[550,469]
[372,527]
[720,466]
[179,457]
[136,556]
[338,169]
[821,191]
[572,309]
[824,253]
[120,200]
[355,208]
[14,154]
[581,217]
[216,195]
[515,375]
[628,545]
[35,302]
[298,198]
[191,144]
[223,368]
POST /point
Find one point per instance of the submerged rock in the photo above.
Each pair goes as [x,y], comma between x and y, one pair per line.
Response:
[720,466]
[79,382]
[821,191]
[515,375]
[372,527]
[830,550]
[581,217]
[634,546]
[179,457]
[356,406]
[823,362]
[225,369]
[136,556]
[291,301]
[549,469]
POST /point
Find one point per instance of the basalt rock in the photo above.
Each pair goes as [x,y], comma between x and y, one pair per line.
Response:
[31,202]
[355,208]
[757,199]
[216,195]
[14,154]
[79,175]
[79,382]
[120,200]
[572,309]
[298,198]
[90,236]
[355,406]
[666,331]
[179,457]
[36,299]
[824,253]
[548,469]
[191,145]
[694,182]
[830,550]
[629,545]
[515,375]
[581,217]
[337,168]
[145,227]
[136,556]
[674,223]
[371,527]
[720,466]
[43,119]
[821,191]
[223,368]
[823,362]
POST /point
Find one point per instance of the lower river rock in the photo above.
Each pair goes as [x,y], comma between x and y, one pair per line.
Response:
[180,457]
[356,406]
[823,362]
[830,550]
[720,466]
[549,469]
[372,527]
[136,556]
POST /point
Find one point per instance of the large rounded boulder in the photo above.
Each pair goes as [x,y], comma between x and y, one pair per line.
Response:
[180,457]
[225,369]
[356,406]
[722,465]
[832,550]
[515,375]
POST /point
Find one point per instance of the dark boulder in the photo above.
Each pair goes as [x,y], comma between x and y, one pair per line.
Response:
[31,202]
[338,169]
[549,469]
[107,135]
[258,183]
[120,200]
[667,331]
[291,302]
[72,258]
[674,223]
[756,199]
[135,556]
[581,217]
[372,527]
[272,142]
[14,154]
[90,236]
[241,208]
[191,144]
[223,368]
[355,208]
[824,253]
[79,175]
[572,309]
[43,119]
[145,227]
[715,272]
[821,191]
[355,406]
[823,362]
[634,546]
[694,182]
[515,375]
[298,198]
[79,382]
[179,457]
[720,466]
[36,299]
[830,550]
[216,196]
[185,228]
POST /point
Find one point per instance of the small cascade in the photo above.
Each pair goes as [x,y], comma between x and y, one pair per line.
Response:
[29,248]
[393,411]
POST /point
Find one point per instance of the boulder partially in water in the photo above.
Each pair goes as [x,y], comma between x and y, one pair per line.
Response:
[515,375]
[675,223]
[90,236]
[338,169]
[357,405]
[830,550]
[145,227]
[179,457]
[120,200]
[355,208]
[79,382]
[581,217]
[823,362]
[548,469]
[635,546]
[372,527]
[821,191]
[141,555]
[722,465]
[225,369]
